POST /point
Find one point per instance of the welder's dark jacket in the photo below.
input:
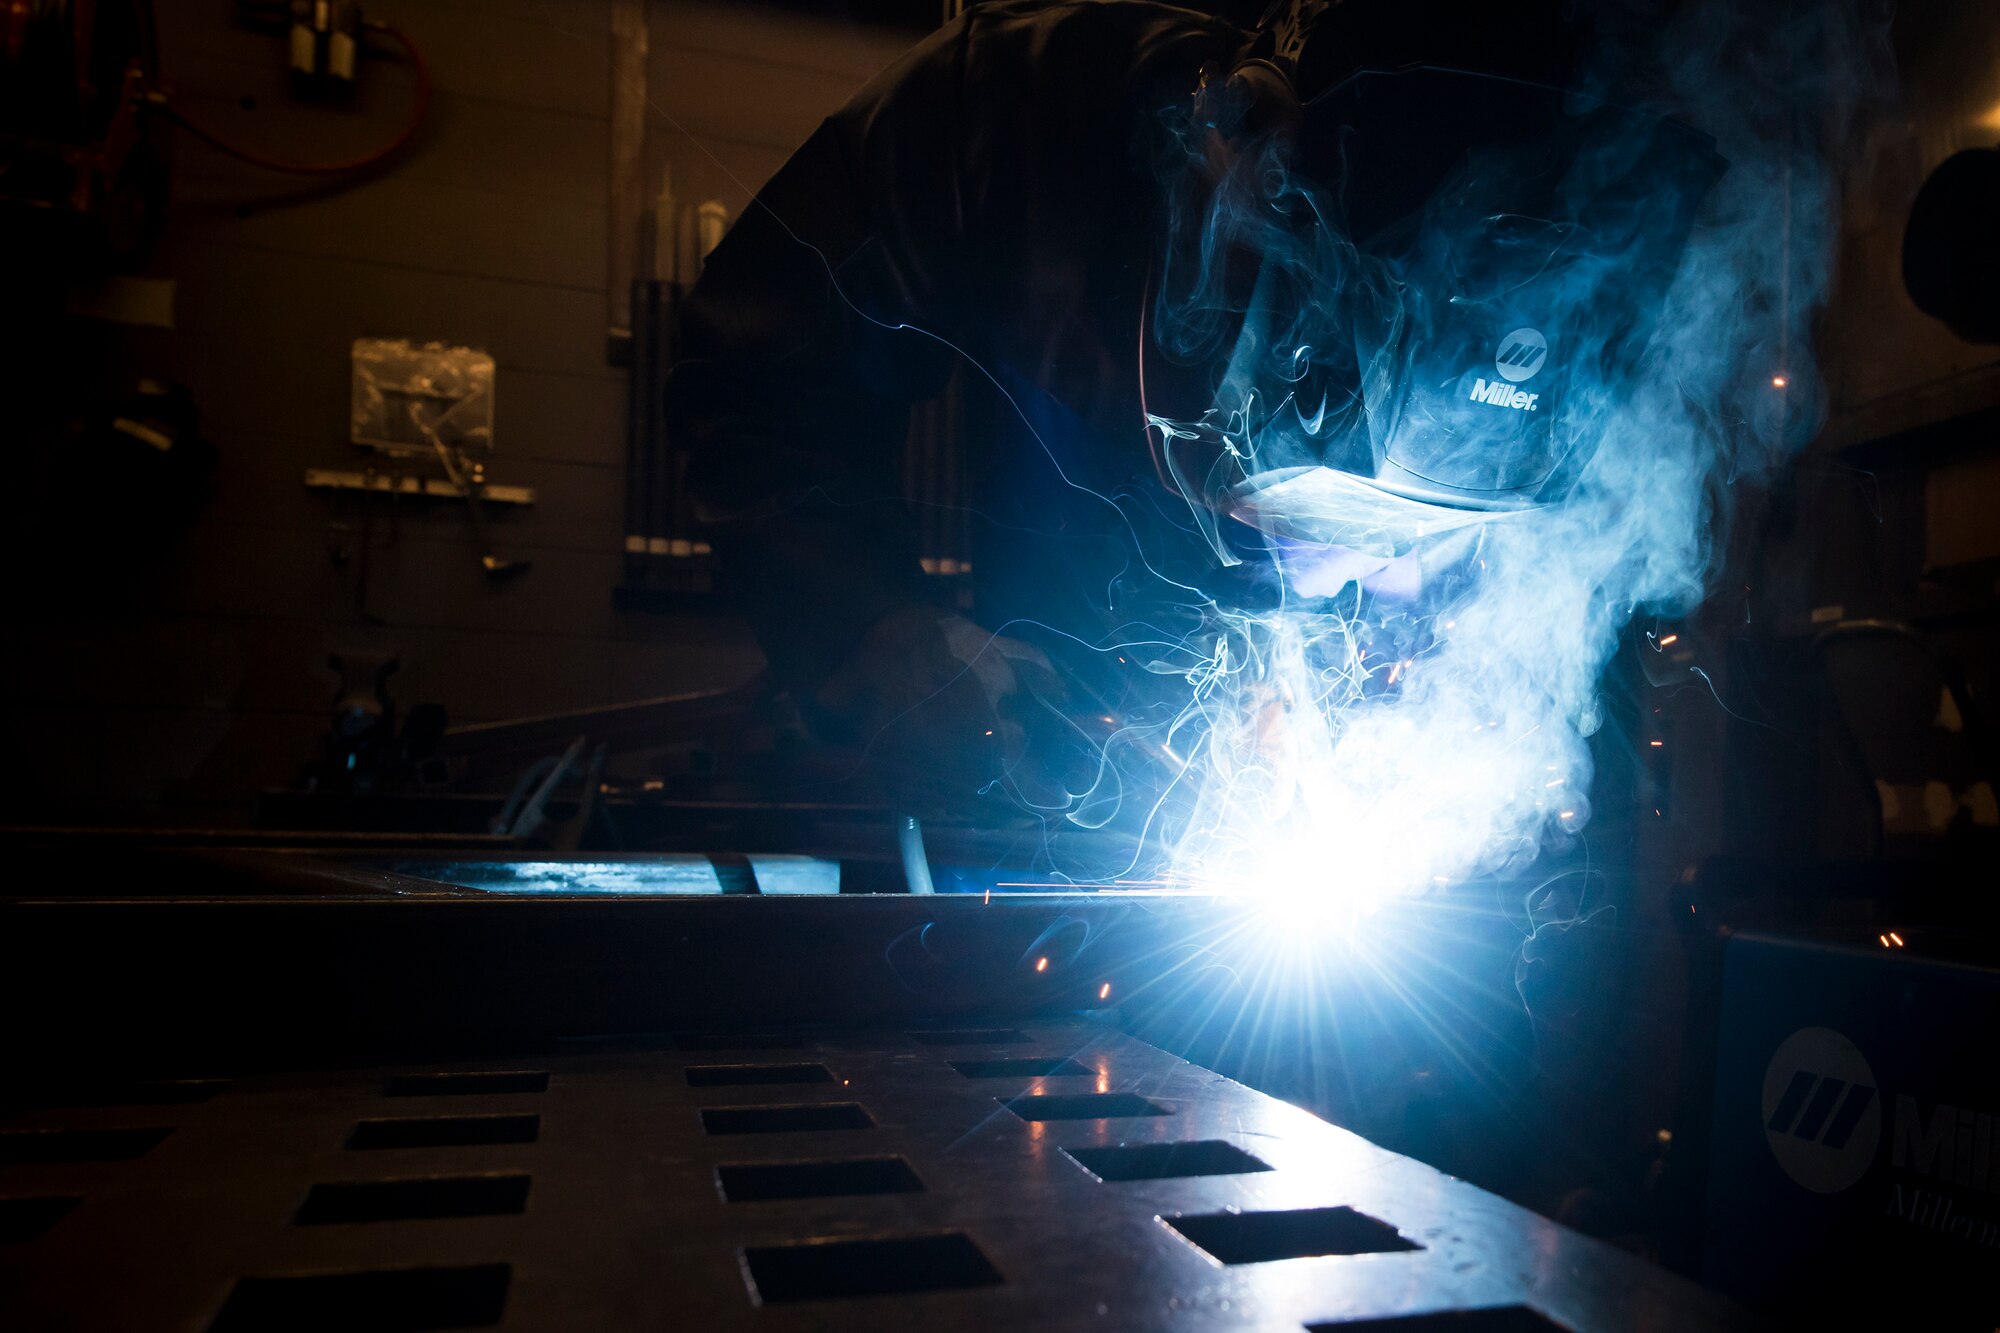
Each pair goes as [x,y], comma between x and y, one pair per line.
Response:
[995,191]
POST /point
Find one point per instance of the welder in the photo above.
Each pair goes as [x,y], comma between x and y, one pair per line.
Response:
[997,201]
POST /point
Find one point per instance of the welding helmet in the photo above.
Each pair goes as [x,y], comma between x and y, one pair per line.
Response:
[1507,246]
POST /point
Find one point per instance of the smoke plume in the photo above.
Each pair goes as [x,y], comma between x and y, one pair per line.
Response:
[1407,717]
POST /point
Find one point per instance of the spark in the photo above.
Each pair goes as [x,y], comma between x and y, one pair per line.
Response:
[1779,381]
[1668,640]
[1656,744]
[1042,963]
[1104,991]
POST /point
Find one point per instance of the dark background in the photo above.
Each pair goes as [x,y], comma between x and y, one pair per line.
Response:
[186,670]
[168,668]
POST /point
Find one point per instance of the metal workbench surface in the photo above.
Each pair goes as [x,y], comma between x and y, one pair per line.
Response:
[916,1178]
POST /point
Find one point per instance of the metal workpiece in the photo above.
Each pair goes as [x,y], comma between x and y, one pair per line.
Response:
[591,1189]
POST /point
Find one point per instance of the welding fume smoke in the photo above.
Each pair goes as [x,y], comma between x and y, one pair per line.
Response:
[1368,735]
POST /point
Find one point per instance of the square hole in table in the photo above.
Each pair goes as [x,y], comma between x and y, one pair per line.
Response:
[757,1182]
[740,1041]
[19,1147]
[445,1131]
[1166,1161]
[1491,1319]
[1083,1106]
[1031,1067]
[972,1037]
[827,1269]
[738,1076]
[467,1084]
[1298,1233]
[384,1300]
[805,1118]
[415,1197]
[22,1220]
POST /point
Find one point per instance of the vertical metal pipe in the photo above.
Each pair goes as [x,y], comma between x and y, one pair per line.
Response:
[916,864]
[951,482]
[648,370]
[630,46]
[624,222]
[638,442]
[674,461]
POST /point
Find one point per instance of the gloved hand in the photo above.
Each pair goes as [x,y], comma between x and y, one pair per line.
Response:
[944,707]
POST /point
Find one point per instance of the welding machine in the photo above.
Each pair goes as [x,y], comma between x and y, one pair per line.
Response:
[1854,1164]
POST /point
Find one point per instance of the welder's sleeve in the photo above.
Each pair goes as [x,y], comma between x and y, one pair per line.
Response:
[792,401]
[911,226]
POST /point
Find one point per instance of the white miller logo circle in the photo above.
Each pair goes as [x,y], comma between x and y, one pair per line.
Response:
[1822,1111]
[1521,354]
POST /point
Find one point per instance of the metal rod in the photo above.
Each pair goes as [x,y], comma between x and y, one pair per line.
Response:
[916,865]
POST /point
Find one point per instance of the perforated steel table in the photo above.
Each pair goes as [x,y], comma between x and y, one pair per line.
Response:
[912,1165]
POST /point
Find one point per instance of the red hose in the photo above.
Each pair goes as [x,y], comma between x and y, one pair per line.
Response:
[376,158]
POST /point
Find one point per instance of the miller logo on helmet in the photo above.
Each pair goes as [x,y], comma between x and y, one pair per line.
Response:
[1521,354]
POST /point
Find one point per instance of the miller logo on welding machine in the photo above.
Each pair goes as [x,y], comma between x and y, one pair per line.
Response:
[1822,1110]
[1854,1160]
